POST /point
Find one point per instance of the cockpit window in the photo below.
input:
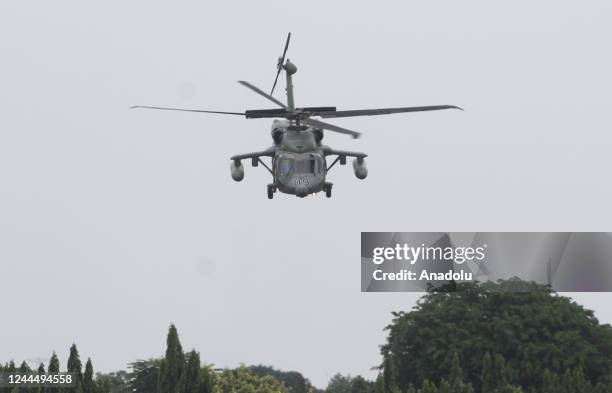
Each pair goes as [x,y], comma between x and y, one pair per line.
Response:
[309,165]
[285,166]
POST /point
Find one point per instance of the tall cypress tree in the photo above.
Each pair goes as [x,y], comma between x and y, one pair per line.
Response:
[173,364]
[54,367]
[88,378]
[74,367]
[40,370]
[24,368]
[192,377]
[11,368]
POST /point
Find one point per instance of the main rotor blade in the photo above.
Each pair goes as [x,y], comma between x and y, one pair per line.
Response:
[281,60]
[330,127]
[383,111]
[262,93]
[186,110]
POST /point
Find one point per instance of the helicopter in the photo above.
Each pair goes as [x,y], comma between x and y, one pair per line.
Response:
[298,158]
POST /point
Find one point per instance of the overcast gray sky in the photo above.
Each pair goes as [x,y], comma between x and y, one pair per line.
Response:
[113,222]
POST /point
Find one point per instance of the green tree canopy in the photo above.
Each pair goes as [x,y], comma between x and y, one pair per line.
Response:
[144,375]
[114,382]
[339,384]
[244,381]
[531,327]
[293,380]
[361,385]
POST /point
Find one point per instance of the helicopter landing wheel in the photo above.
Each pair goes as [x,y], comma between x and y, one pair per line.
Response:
[271,191]
[328,190]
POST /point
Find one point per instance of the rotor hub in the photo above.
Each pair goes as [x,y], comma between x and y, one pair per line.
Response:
[290,68]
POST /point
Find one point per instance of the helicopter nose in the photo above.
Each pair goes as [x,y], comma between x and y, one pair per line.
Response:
[301,190]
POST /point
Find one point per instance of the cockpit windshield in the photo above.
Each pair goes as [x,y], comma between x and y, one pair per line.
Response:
[307,165]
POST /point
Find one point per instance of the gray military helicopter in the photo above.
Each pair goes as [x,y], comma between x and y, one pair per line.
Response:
[298,159]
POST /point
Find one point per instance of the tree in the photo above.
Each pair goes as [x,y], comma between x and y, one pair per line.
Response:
[532,327]
[89,385]
[74,367]
[550,383]
[207,376]
[103,385]
[444,387]
[605,385]
[54,367]
[40,370]
[488,384]
[379,384]
[293,380]
[428,387]
[173,364]
[193,381]
[339,384]
[500,375]
[389,377]
[115,382]
[456,379]
[144,375]
[243,380]
[574,381]
[456,374]
[10,367]
[361,385]
[23,368]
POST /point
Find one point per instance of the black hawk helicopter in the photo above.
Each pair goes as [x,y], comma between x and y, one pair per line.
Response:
[298,159]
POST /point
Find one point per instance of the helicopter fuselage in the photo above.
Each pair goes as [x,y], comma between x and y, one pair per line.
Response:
[300,174]
[298,161]
[298,166]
